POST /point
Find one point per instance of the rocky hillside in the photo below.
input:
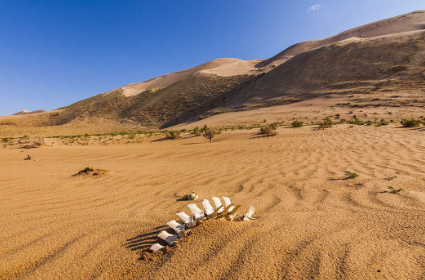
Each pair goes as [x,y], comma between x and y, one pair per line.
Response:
[388,55]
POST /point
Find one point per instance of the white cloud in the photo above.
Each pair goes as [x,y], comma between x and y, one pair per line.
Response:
[314,8]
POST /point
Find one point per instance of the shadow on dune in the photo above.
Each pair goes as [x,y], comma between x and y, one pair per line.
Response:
[340,179]
[144,241]
[258,135]
[160,140]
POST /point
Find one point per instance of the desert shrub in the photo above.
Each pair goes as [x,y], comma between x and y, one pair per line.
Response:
[31,142]
[5,140]
[356,121]
[389,178]
[297,123]
[394,190]
[172,134]
[382,122]
[197,131]
[210,133]
[327,123]
[205,128]
[410,123]
[269,130]
[350,175]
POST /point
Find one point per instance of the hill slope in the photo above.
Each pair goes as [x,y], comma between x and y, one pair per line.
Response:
[387,55]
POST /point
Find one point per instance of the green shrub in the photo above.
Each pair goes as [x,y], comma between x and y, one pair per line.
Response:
[410,123]
[382,122]
[205,128]
[350,175]
[297,124]
[356,121]
[394,190]
[327,123]
[197,131]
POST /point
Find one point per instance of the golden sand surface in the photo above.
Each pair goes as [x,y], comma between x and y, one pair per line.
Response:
[311,222]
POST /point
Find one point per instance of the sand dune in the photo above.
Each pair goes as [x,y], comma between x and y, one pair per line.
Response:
[222,67]
[310,222]
[404,23]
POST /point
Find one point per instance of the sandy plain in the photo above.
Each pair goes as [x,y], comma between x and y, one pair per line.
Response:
[311,223]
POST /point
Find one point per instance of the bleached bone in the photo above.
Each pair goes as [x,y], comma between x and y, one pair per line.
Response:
[227,202]
[187,220]
[199,214]
[156,247]
[248,215]
[178,228]
[208,207]
[217,203]
[185,217]
[171,239]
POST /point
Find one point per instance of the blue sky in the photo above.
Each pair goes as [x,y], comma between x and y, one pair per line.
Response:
[54,53]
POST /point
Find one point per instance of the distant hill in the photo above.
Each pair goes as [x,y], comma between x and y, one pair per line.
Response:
[384,55]
[26,112]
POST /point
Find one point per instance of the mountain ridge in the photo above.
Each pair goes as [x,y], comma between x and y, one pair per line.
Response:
[388,53]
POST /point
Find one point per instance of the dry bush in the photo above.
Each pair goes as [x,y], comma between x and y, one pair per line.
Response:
[197,131]
[173,134]
[37,140]
[31,142]
[327,123]
[269,130]
[210,133]
[297,123]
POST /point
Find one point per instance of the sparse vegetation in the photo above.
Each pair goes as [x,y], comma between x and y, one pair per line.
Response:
[6,140]
[327,123]
[394,190]
[172,134]
[410,123]
[269,130]
[381,123]
[210,133]
[350,175]
[197,131]
[297,123]
[356,121]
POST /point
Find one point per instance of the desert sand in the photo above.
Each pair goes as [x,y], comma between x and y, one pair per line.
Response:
[311,223]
